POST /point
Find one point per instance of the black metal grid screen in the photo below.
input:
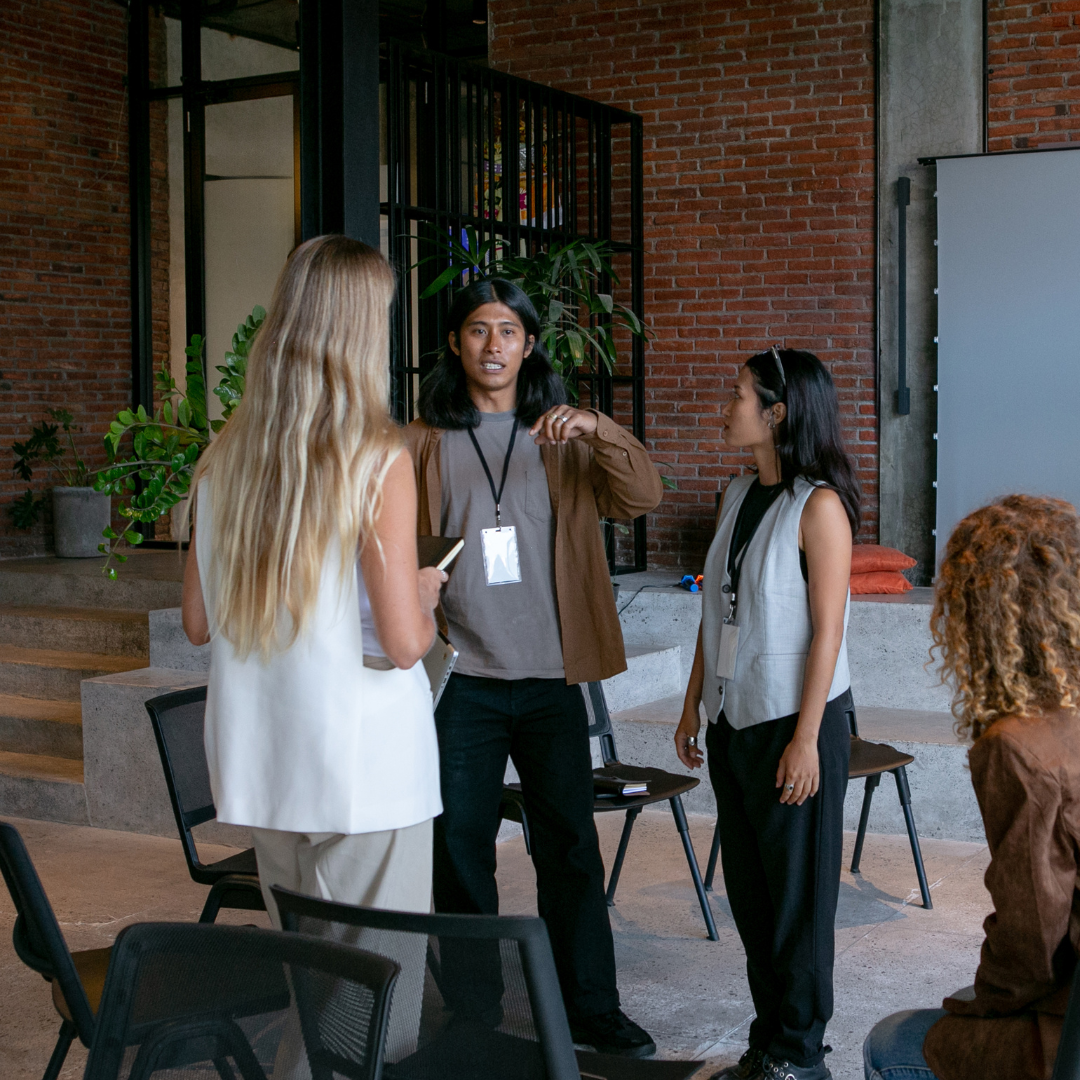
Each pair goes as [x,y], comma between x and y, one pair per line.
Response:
[467,146]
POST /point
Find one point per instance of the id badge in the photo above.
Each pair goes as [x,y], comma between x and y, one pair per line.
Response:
[728,651]
[501,563]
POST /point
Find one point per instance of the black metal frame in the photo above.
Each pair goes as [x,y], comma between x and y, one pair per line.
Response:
[196,94]
[463,119]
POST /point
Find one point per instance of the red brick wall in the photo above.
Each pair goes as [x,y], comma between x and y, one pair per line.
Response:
[759,206]
[64,229]
[1034,59]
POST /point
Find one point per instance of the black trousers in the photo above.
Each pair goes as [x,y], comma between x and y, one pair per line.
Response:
[542,725]
[782,874]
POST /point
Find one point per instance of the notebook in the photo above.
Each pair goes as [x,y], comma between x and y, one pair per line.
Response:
[438,551]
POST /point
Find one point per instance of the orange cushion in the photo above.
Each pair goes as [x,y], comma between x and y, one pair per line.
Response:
[880,581]
[91,966]
[866,558]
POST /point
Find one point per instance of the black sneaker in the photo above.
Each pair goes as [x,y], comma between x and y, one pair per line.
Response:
[612,1033]
[775,1069]
[748,1067]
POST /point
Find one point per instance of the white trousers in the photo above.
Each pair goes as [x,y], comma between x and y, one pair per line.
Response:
[389,870]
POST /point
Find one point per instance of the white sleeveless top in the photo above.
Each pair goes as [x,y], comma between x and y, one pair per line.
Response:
[773,615]
[312,741]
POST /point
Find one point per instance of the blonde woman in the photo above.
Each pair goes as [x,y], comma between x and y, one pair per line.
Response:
[1006,621]
[319,728]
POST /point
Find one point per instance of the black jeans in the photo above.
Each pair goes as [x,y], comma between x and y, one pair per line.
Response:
[782,874]
[542,725]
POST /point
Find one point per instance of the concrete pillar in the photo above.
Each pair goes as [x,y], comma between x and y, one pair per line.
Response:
[929,85]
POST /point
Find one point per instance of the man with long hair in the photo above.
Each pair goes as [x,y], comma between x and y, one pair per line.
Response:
[502,460]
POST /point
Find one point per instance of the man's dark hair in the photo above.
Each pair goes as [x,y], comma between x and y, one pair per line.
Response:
[444,395]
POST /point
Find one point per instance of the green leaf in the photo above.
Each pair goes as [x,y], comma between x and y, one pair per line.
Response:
[449,274]
[133,538]
[606,301]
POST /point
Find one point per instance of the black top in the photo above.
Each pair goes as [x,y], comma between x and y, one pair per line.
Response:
[755,505]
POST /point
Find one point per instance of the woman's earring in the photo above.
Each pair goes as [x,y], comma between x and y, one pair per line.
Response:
[772,425]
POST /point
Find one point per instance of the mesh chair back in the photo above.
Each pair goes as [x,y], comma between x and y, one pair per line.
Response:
[178,727]
[197,1000]
[37,937]
[599,720]
[478,995]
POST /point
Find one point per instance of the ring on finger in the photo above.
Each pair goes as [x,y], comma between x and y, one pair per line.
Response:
[789,787]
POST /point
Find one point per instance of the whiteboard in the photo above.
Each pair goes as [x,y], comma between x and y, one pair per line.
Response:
[1008,330]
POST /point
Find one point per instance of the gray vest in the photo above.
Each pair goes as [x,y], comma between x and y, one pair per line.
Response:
[773,615]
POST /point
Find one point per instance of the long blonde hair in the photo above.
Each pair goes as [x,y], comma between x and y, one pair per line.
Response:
[303,458]
[1006,616]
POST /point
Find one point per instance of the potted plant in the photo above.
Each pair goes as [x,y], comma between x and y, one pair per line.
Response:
[79,512]
[154,474]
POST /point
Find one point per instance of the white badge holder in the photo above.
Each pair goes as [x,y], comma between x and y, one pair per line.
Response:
[501,563]
[728,652]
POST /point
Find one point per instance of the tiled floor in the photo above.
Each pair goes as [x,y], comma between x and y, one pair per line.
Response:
[689,992]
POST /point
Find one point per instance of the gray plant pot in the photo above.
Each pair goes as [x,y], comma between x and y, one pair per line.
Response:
[79,516]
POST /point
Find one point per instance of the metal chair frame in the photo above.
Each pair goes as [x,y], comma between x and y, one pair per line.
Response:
[40,944]
[512,806]
[234,882]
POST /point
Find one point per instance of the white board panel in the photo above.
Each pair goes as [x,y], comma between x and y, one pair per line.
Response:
[1008,329]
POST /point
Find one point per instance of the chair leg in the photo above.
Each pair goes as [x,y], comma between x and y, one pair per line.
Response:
[212,906]
[525,832]
[60,1051]
[904,792]
[691,859]
[871,783]
[714,854]
[624,840]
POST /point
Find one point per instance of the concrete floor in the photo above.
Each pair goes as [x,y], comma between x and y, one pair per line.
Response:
[689,992]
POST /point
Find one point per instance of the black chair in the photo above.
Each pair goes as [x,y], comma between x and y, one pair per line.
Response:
[1067,1062]
[190,999]
[178,728]
[663,787]
[77,978]
[870,760]
[477,999]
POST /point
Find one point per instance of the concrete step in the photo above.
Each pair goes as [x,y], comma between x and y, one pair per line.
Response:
[35,726]
[100,630]
[148,580]
[42,787]
[55,675]
[652,671]
[943,801]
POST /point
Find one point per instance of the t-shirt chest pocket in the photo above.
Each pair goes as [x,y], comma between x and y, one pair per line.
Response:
[537,495]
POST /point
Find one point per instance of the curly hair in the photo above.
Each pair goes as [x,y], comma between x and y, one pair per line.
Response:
[1006,616]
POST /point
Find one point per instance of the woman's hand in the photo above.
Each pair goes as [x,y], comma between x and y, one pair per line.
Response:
[431,583]
[562,424]
[799,771]
[689,726]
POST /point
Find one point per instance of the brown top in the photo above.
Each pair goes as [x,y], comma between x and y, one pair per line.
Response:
[1026,775]
[608,474]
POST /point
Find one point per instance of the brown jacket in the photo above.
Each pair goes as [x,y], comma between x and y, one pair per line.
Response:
[608,474]
[1026,774]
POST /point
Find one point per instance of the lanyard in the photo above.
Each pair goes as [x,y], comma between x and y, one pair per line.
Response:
[736,559]
[496,495]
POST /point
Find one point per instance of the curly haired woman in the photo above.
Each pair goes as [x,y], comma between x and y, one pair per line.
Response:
[1006,621]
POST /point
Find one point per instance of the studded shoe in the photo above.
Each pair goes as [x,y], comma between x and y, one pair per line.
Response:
[775,1069]
[747,1068]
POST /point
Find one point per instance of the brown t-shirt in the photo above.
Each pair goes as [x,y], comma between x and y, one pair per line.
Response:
[508,631]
